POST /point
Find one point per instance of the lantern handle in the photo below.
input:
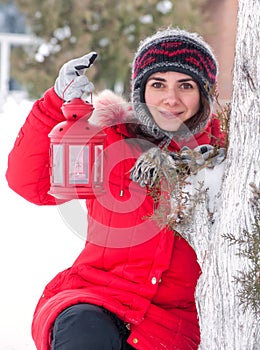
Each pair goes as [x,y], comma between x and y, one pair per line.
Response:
[69,86]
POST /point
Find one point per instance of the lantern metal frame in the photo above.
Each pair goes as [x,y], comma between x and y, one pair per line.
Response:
[76,142]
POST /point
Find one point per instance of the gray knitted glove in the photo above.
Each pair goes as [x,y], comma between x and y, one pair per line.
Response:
[149,164]
[156,162]
[71,81]
[210,156]
[201,156]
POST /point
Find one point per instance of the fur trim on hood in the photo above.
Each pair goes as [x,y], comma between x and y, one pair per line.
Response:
[110,109]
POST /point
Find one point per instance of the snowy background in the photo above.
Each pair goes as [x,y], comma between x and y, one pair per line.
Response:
[35,243]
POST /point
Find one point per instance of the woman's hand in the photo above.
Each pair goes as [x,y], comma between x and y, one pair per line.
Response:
[72,81]
[148,166]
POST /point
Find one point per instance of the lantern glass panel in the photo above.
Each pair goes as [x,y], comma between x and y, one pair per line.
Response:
[57,164]
[98,165]
[78,164]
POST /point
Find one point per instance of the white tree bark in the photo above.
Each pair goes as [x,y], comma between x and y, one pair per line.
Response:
[224,324]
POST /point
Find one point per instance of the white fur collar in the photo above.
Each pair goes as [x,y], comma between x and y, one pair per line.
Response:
[110,109]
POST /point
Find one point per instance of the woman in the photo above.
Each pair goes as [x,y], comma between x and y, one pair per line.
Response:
[132,286]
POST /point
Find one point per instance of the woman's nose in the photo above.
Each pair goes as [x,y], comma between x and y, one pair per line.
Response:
[171,97]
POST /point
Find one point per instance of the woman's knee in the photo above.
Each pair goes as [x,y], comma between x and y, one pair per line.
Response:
[85,327]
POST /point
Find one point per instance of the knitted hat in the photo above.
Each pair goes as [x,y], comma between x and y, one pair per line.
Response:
[171,50]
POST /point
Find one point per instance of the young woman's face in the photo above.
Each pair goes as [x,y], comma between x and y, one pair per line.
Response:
[172,98]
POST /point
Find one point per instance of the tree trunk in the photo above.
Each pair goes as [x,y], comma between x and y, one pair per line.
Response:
[224,323]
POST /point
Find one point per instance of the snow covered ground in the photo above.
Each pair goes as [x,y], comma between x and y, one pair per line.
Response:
[35,243]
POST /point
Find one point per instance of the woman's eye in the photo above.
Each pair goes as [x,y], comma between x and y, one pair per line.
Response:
[157,85]
[186,86]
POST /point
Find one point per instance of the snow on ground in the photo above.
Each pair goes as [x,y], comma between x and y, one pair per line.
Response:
[35,243]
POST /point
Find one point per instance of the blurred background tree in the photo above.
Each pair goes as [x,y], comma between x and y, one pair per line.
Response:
[67,29]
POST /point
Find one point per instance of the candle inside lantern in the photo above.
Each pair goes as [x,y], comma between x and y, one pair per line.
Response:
[78,164]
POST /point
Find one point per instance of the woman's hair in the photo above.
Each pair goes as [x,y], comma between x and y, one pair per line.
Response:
[202,116]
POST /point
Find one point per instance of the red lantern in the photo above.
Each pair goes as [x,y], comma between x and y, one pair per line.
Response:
[76,154]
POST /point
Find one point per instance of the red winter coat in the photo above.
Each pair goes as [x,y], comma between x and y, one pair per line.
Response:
[146,275]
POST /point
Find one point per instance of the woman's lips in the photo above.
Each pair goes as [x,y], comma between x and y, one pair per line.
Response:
[170,115]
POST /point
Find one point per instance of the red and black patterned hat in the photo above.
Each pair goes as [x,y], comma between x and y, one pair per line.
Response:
[173,49]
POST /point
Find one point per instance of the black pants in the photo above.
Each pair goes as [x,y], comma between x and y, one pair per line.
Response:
[89,327]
